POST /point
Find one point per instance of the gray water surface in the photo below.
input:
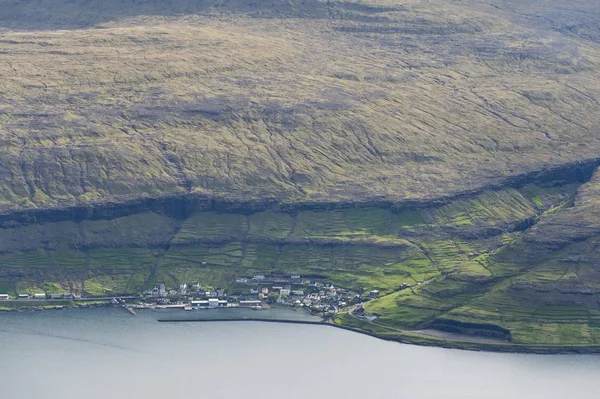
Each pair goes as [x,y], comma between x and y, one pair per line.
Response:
[107,353]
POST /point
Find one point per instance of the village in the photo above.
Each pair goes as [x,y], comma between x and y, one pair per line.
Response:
[256,292]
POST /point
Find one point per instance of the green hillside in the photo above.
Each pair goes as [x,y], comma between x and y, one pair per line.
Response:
[451,146]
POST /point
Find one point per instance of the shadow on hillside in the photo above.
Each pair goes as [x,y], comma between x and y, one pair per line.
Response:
[77,14]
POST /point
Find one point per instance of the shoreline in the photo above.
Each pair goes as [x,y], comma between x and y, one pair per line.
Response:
[407,337]
[422,340]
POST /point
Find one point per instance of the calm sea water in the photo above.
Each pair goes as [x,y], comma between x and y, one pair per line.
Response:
[106,353]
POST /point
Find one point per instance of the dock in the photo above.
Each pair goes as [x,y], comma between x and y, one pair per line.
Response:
[177,306]
[130,310]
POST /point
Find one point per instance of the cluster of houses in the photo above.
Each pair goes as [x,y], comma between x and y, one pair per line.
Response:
[253,292]
[295,291]
[193,290]
[193,294]
[262,279]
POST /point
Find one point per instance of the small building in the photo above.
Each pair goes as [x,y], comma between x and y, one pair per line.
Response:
[298,293]
[39,296]
[241,280]
[213,303]
[295,277]
[162,290]
[23,296]
[253,290]
[314,297]
[277,288]
[284,291]
[374,293]
[264,291]
[249,304]
[4,297]
[258,277]
[222,303]
[199,304]
[220,292]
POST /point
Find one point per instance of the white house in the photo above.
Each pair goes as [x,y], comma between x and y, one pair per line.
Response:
[4,297]
[284,291]
[213,303]
[39,296]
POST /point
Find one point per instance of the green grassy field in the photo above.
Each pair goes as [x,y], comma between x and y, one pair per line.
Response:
[457,271]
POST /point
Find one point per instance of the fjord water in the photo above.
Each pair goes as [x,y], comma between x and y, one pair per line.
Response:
[107,353]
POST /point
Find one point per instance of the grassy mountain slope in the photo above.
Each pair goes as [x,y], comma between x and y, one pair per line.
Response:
[451,144]
[294,101]
[483,258]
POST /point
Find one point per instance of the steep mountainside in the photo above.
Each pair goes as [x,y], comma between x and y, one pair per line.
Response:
[105,100]
[373,143]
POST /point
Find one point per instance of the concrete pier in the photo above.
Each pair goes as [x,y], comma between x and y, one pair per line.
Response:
[130,310]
